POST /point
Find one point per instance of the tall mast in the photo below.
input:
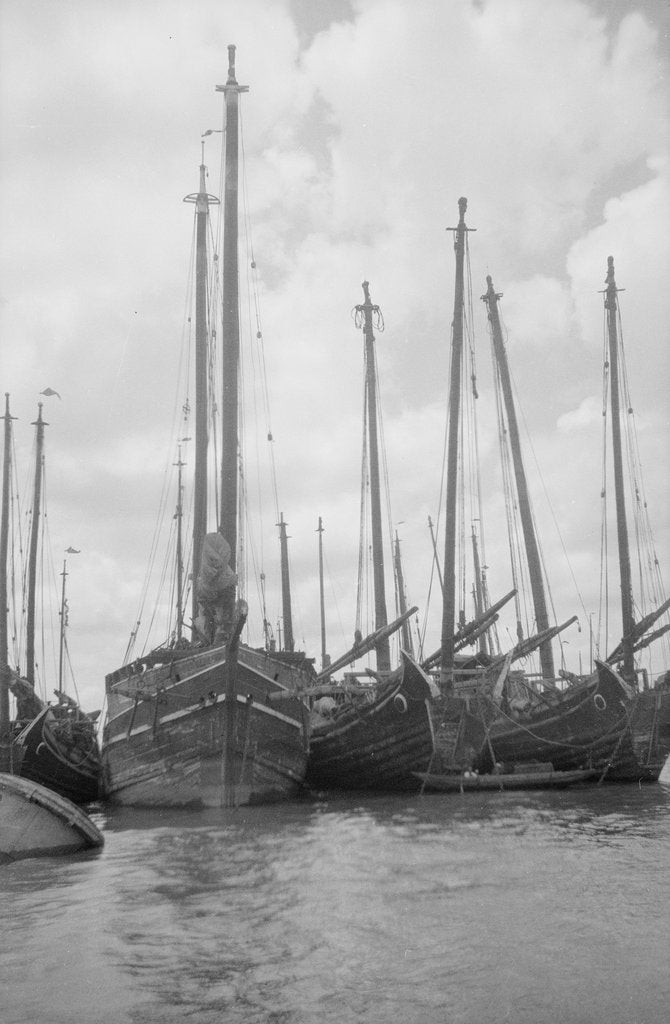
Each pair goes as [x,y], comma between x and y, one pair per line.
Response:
[370,313]
[32,552]
[480,597]
[231,322]
[285,587]
[449,575]
[179,516]
[5,730]
[202,202]
[325,660]
[405,631]
[525,511]
[628,622]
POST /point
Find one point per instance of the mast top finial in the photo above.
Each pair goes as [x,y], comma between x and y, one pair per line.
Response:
[231,64]
[491,296]
[462,206]
[366,290]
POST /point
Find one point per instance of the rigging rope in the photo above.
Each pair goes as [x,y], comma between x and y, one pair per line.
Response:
[363,536]
[183,407]
[651,590]
[16,559]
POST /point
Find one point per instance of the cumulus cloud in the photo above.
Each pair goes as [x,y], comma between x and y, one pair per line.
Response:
[589,412]
[364,124]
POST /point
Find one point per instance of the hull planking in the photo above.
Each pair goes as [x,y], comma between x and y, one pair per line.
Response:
[379,745]
[164,739]
[586,726]
[36,822]
[62,754]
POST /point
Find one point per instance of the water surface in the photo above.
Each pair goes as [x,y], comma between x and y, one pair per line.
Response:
[523,907]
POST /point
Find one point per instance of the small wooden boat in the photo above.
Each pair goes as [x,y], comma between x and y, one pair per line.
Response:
[36,822]
[543,777]
[59,749]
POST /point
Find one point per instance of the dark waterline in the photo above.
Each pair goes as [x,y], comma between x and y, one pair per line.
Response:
[524,907]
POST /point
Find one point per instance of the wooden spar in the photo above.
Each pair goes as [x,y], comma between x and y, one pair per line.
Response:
[628,622]
[369,312]
[325,660]
[639,629]
[531,643]
[406,633]
[435,555]
[314,692]
[202,202]
[525,511]
[32,552]
[229,745]
[449,589]
[5,728]
[471,630]
[231,325]
[473,634]
[365,645]
[646,640]
[289,644]
[521,650]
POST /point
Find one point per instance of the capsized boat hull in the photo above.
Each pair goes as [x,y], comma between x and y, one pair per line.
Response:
[164,742]
[379,745]
[36,822]
[61,754]
[471,782]
[585,726]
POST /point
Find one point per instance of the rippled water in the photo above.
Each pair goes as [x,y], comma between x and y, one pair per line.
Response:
[485,907]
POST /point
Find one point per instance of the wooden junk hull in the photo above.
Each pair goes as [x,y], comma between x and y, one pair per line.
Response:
[647,747]
[165,739]
[377,746]
[36,822]
[471,782]
[585,726]
[61,754]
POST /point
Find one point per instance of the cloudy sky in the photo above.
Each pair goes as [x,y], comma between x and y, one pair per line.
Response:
[365,122]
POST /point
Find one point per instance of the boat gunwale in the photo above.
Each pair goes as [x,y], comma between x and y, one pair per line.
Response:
[66,811]
[266,709]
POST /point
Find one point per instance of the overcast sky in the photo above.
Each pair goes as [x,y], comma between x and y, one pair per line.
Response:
[365,122]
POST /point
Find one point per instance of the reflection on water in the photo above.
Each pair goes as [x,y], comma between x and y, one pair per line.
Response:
[525,907]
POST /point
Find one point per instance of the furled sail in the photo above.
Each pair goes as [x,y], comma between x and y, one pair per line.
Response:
[215,577]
